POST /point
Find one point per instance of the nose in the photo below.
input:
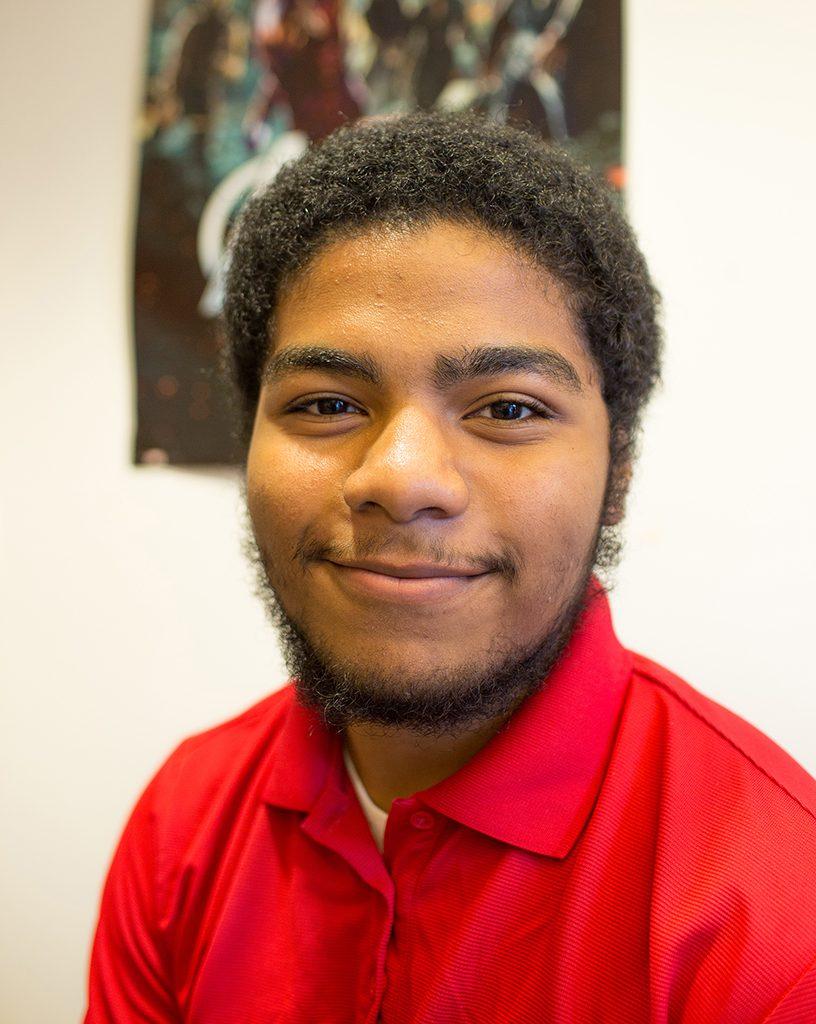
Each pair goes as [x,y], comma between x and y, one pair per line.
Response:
[408,471]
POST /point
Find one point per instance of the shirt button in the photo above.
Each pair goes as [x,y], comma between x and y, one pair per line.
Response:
[422,820]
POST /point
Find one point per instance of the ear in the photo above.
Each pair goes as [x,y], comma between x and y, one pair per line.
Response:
[619,481]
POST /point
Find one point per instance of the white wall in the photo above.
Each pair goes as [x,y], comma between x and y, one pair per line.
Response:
[127,621]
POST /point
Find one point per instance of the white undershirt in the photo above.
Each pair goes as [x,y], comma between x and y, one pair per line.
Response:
[375,815]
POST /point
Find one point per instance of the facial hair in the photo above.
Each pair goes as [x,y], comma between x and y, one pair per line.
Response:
[440,704]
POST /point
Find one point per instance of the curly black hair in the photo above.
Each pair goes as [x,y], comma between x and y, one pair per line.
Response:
[418,168]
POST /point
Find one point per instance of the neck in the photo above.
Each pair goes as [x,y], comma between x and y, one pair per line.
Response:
[394,762]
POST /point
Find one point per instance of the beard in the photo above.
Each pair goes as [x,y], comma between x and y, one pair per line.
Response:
[439,703]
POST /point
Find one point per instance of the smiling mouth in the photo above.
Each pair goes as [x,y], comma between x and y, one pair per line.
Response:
[405,584]
[412,570]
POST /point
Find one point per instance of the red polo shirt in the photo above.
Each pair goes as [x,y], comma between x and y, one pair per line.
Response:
[624,850]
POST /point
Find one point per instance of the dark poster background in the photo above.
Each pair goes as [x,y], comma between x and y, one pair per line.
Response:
[236,87]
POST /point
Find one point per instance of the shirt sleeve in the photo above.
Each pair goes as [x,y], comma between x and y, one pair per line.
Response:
[798,1005]
[129,977]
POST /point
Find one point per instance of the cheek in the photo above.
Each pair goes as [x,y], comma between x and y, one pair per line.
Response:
[284,494]
[567,484]
[552,512]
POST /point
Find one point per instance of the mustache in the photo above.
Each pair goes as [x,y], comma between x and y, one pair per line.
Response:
[312,549]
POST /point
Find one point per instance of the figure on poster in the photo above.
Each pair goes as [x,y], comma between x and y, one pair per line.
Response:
[524,61]
[199,74]
[441,23]
[388,74]
[298,45]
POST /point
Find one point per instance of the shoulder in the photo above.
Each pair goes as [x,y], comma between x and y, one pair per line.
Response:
[234,733]
[730,818]
[158,886]
[700,726]
[223,755]
[196,794]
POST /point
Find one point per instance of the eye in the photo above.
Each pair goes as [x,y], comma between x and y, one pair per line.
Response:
[325,406]
[510,410]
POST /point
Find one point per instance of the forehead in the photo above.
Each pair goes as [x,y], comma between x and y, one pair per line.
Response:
[405,295]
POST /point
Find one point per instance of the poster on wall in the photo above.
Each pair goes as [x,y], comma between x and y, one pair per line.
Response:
[235,88]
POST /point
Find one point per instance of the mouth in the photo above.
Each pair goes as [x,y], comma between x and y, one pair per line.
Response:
[415,583]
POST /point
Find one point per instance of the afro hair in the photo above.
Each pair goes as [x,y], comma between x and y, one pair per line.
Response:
[420,168]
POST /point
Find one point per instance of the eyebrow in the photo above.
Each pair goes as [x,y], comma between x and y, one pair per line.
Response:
[493,360]
[449,370]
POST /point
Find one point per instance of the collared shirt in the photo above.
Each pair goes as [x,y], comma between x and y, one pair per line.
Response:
[623,850]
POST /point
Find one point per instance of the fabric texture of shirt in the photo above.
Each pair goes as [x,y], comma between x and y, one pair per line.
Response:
[623,850]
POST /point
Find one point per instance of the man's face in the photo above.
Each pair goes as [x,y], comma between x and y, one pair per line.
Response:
[427,469]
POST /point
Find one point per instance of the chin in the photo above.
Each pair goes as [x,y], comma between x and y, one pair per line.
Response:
[400,670]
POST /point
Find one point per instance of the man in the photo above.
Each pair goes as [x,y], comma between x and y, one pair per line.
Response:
[472,804]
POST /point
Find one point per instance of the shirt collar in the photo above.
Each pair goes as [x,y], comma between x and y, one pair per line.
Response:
[534,783]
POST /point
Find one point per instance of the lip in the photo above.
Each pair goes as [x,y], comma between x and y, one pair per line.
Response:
[412,584]
[411,570]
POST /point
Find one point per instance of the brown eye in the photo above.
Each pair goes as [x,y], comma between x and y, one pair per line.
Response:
[327,405]
[509,410]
